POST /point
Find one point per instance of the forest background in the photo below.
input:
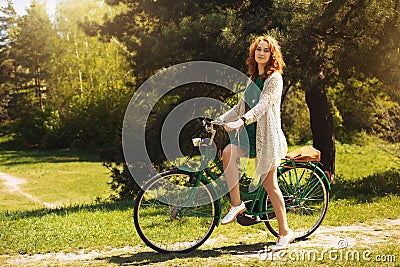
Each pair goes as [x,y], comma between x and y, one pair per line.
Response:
[66,80]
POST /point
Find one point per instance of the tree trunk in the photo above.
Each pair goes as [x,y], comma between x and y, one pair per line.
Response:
[322,128]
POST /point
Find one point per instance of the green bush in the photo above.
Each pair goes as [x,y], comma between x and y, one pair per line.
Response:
[122,184]
[366,188]
[358,106]
[38,128]
[296,117]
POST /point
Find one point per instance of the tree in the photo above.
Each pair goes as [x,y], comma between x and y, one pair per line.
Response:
[91,79]
[324,42]
[31,40]
[331,42]
[196,30]
[32,49]
[7,22]
[66,88]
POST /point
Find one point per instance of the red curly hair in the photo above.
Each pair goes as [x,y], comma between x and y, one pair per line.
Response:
[275,63]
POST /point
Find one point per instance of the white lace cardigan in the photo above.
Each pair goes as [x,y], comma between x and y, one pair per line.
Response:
[271,144]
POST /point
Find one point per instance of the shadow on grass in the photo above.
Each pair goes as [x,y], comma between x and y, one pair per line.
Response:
[368,188]
[64,211]
[32,156]
[363,189]
[152,257]
[15,153]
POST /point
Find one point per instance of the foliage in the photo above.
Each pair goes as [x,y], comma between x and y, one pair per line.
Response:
[357,105]
[122,184]
[96,87]
[366,188]
[319,39]
[43,130]
[66,89]
[7,18]
[32,46]
[387,124]
[295,118]
[66,82]
[332,41]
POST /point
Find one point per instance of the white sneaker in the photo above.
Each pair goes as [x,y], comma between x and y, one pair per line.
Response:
[233,213]
[283,242]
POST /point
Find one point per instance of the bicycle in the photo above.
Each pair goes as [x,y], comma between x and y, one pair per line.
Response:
[196,210]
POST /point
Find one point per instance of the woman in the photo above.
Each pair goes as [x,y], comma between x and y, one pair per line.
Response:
[259,112]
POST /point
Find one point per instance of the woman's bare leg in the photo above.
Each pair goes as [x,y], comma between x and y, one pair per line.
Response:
[270,184]
[231,170]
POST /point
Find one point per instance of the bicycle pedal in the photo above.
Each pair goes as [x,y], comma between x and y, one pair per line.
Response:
[247,220]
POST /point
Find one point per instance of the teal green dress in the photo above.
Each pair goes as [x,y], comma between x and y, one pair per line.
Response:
[251,96]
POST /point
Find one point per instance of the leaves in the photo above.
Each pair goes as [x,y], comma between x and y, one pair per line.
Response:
[72,78]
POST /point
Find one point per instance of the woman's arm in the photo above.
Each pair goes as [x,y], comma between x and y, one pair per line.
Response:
[232,114]
[270,94]
[235,112]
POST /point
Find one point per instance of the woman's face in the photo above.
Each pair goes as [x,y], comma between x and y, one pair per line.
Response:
[262,54]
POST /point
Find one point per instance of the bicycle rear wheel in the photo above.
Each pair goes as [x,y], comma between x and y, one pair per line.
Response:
[169,221]
[306,198]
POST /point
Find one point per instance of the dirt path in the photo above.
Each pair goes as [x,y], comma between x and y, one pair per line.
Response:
[328,238]
[344,237]
[12,185]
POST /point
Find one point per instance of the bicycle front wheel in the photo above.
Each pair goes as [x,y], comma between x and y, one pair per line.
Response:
[168,220]
[306,199]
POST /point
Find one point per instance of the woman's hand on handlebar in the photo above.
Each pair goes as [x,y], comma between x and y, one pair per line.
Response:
[234,125]
[218,121]
[230,126]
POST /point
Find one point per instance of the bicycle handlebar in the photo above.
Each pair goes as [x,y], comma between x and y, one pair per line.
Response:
[209,126]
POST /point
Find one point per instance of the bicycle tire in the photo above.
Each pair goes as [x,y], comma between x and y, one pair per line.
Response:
[306,195]
[160,225]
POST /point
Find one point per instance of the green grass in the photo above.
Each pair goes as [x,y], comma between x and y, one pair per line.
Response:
[352,211]
[59,177]
[67,229]
[356,161]
[366,191]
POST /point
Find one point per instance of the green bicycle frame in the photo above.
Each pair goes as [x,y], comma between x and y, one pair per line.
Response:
[256,197]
